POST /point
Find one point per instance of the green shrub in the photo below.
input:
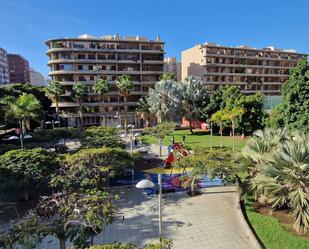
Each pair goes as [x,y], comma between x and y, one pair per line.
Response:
[54,135]
[101,137]
[91,168]
[115,245]
[28,167]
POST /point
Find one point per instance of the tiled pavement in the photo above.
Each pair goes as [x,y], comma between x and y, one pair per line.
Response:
[209,221]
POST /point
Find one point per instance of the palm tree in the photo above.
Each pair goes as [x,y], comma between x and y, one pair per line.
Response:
[194,96]
[261,143]
[101,87]
[143,109]
[80,91]
[218,118]
[124,85]
[24,108]
[232,116]
[165,100]
[53,92]
[283,179]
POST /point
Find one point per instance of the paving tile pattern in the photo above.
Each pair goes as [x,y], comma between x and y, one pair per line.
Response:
[211,220]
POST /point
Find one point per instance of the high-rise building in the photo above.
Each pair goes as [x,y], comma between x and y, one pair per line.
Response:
[18,69]
[36,78]
[4,71]
[87,58]
[173,66]
[250,69]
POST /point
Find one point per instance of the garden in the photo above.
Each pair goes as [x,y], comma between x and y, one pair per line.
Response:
[67,191]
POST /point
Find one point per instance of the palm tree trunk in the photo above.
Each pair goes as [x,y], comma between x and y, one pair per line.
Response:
[57,112]
[81,115]
[62,241]
[125,114]
[233,131]
[221,133]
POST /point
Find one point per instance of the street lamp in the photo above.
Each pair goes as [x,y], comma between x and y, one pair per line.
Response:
[149,184]
[21,138]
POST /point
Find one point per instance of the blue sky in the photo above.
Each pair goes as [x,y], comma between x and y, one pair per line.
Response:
[26,24]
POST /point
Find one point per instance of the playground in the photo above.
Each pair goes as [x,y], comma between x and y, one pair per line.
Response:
[172,178]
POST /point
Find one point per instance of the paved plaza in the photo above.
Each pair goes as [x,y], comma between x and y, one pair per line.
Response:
[212,220]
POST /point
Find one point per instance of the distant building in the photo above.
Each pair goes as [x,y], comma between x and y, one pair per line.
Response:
[4,70]
[171,65]
[252,70]
[36,78]
[18,69]
[87,58]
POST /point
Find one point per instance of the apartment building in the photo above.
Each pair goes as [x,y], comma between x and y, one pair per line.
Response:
[88,58]
[250,69]
[173,66]
[4,71]
[18,69]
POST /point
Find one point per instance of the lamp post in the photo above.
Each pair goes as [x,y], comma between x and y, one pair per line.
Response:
[210,135]
[149,184]
[21,138]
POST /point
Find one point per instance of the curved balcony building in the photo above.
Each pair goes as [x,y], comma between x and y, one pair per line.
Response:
[88,58]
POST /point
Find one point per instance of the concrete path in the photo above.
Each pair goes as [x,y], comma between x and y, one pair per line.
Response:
[212,220]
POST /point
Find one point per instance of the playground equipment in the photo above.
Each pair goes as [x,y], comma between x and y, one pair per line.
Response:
[176,153]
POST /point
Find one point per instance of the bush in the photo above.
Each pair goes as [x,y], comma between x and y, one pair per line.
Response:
[91,168]
[115,245]
[101,137]
[54,135]
[28,167]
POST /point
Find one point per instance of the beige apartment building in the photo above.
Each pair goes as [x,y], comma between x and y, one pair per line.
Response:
[173,66]
[87,58]
[250,69]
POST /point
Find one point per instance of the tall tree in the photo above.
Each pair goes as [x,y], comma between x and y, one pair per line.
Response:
[24,108]
[254,114]
[293,112]
[53,92]
[194,98]
[80,91]
[165,100]
[124,85]
[224,97]
[101,87]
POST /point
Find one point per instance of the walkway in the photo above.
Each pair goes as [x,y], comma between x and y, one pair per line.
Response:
[212,220]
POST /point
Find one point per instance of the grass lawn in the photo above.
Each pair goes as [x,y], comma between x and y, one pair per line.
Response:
[199,138]
[272,234]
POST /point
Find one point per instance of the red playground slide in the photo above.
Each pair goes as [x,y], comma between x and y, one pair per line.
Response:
[177,149]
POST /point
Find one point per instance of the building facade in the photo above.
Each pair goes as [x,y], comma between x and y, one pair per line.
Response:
[4,70]
[18,69]
[88,58]
[173,66]
[36,78]
[250,69]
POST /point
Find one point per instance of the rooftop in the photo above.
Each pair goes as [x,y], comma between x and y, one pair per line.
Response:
[269,48]
[114,37]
